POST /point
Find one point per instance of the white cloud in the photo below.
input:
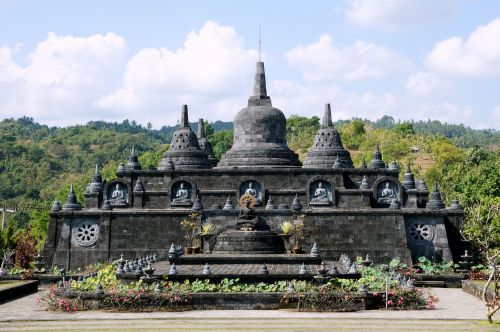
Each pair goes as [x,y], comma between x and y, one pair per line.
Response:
[426,84]
[397,13]
[478,55]
[323,60]
[9,70]
[70,80]
[309,100]
[207,72]
[62,78]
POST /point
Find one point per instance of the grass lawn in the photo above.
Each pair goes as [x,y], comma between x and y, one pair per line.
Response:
[480,283]
[10,283]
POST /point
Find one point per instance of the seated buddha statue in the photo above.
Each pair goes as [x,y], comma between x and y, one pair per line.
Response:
[320,196]
[182,196]
[387,194]
[118,196]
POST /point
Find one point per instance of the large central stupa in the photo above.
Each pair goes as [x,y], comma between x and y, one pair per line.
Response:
[259,132]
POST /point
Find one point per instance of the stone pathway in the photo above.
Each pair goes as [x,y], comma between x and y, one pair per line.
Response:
[456,311]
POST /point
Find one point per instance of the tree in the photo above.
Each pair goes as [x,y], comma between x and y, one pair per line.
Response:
[404,129]
[221,141]
[482,228]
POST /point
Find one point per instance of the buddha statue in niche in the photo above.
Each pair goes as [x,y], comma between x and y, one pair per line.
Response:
[253,192]
[181,196]
[387,194]
[320,196]
[118,196]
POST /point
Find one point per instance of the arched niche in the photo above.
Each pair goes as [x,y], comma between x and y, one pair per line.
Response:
[254,188]
[385,189]
[182,193]
[320,192]
[118,193]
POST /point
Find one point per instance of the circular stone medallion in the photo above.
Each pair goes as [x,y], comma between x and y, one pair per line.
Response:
[85,233]
[420,233]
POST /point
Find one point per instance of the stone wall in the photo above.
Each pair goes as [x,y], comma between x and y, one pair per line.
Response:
[381,233]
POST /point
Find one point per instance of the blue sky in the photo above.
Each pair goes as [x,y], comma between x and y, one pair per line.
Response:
[64,62]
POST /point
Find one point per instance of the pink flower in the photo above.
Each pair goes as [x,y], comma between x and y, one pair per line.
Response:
[390,302]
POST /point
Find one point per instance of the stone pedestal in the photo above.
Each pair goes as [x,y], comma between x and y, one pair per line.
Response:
[236,241]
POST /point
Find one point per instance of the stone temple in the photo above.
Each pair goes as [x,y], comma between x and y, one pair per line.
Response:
[256,185]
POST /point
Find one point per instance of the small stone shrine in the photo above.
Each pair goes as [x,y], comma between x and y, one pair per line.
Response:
[256,185]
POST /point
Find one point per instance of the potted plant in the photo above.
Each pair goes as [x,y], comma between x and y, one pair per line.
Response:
[299,235]
[6,260]
[207,232]
[189,226]
[287,228]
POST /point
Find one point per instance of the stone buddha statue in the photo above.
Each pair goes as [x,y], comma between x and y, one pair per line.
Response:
[182,196]
[387,194]
[320,196]
[247,220]
[251,191]
[118,196]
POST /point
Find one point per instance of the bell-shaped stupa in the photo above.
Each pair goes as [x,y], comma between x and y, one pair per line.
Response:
[327,147]
[184,151]
[259,133]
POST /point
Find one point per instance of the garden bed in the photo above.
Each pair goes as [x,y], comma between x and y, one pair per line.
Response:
[76,301]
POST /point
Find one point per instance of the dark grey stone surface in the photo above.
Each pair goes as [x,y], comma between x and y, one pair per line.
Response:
[349,214]
[259,133]
[327,146]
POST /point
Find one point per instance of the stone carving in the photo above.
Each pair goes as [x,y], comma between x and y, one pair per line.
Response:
[182,195]
[387,191]
[85,233]
[420,233]
[252,188]
[387,194]
[118,196]
[247,220]
[320,193]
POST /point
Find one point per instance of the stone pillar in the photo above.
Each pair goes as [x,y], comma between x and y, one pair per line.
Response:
[62,256]
[93,200]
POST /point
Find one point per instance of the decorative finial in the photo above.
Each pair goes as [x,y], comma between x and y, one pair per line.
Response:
[184,117]
[327,118]
[260,44]
[201,129]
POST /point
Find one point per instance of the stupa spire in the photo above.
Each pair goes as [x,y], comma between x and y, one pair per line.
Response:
[259,87]
[201,129]
[260,97]
[184,117]
[327,118]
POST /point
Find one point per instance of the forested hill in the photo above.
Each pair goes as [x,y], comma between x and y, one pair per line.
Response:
[461,135]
